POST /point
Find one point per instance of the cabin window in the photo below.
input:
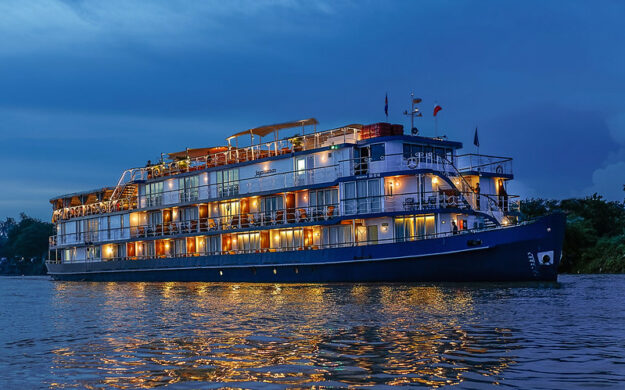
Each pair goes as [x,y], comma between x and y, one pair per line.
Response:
[377,152]
[213,244]
[189,214]
[340,235]
[362,196]
[247,242]
[287,239]
[155,218]
[412,150]
[410,228]
[228,182]
[271,203]
[154,194]
[300,165]
[93,252]
[180,247]
[188,188]
[69,254]
[319,199]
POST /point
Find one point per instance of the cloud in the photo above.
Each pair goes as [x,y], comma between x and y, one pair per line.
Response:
[609,179]
[52,25]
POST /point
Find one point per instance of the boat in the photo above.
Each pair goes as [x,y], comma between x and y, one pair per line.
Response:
[288,203]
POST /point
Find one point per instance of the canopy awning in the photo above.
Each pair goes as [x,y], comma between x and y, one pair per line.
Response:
[266,130]
[197,152]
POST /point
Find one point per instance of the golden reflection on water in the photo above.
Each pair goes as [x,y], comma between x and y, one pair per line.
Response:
[143,335]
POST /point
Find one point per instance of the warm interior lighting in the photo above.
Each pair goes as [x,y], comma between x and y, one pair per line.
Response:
[166,245]
[435,180]
[254,203]
[234,240]
[277,237]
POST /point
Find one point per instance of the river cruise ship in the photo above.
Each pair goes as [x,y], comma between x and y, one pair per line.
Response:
[289,203]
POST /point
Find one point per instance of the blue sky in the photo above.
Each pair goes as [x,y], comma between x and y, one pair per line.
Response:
[90,88]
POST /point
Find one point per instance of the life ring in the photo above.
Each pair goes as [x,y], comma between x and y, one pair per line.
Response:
[412,163]
[156,171]
[499,169]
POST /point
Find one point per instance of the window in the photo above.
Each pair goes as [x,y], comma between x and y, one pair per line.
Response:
[154,194]
[69,255]
[247,242]
[150,249]
[155,218]
[288,239]
[93,252]
[189,214]
[269,204]
[229,208]
[228,182]
[410,228]
[188,188]
[340,235]
[180,247]
[411,150]
[377,152]
[320,199]
[300,165]
[362,196]
[213,244]
[90,228]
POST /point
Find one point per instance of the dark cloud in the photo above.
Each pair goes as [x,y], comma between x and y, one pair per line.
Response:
[90,88]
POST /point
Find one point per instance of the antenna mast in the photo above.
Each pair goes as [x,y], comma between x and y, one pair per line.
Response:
[414,111]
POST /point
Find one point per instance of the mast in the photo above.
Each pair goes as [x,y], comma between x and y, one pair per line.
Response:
[414,111]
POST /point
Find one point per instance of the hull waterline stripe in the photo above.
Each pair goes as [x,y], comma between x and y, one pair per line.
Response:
[270,265]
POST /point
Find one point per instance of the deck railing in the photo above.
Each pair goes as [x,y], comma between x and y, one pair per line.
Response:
[351,207]
[300,247]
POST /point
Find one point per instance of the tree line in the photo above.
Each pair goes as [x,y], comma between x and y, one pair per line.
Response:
[594,241]
[24,245]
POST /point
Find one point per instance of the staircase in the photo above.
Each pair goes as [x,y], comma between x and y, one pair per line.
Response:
[127,187]
[493,212]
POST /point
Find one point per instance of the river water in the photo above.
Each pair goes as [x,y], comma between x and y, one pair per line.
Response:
[562,335]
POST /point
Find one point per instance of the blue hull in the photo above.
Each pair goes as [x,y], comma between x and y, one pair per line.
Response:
[506,254]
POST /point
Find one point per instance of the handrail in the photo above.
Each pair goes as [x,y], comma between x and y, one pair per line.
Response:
[397,202]
[272,181]
[351,243]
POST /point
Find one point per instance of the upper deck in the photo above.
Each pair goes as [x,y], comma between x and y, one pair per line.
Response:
[298,160]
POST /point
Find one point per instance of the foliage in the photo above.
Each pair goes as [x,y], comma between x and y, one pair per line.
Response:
[595,236]
[26,239]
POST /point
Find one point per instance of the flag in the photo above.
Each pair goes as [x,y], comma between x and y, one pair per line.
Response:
[476,140]
[437,108]
[386,105]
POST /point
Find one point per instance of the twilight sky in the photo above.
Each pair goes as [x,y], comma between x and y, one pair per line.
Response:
[90,88]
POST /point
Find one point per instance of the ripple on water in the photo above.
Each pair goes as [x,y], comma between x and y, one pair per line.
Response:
[143,335]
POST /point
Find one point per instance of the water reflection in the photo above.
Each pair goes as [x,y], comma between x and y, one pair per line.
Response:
[151,334]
